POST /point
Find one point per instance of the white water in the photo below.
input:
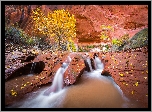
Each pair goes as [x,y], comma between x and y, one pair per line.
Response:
[89,63]
[57,83]
[91,91]
[95,91]
[32,69]
[39,100]
[98,64]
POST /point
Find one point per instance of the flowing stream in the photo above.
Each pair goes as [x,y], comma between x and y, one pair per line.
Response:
[32,69]
[57,83]
[89,63]
[91,91]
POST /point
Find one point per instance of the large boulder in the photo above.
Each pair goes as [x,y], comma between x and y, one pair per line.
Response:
[140,39]
[74,70]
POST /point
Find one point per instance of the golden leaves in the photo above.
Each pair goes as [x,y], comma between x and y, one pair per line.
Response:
[147,71]
[121,74]
[136,84]
[59,24]
[13,93]
[22,87]
[132,92]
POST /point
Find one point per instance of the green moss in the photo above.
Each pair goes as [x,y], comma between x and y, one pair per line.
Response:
[140,39]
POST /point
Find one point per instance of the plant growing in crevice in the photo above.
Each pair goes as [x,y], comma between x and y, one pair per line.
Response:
[118,44]
[17,35]
[105,33]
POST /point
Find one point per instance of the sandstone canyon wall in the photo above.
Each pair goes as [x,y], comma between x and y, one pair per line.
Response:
[124,19]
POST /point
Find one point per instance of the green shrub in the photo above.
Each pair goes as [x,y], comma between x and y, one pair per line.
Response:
[90,46]
[116,42]
[104,37]
[140,39]
[124,39]
[72,47]
[107,46]
[15,34]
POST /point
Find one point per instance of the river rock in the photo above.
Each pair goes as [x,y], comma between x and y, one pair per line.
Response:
[74,70]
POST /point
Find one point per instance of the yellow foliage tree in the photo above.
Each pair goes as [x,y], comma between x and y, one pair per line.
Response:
[105,32]
[59,25]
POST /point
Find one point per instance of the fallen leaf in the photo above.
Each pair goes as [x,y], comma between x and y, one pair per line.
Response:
[132,92]
[136,83]
[121,74]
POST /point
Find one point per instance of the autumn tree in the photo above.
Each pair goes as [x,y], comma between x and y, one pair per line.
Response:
[105,33]
[58,25]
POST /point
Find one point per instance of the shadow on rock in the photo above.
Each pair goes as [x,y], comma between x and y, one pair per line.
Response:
[34,68]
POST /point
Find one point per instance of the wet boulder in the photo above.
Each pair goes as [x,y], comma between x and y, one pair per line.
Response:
[74,70]
[21,84]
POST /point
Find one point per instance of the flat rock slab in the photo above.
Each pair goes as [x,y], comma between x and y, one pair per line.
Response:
[17,87]
[14,61]
[130,71]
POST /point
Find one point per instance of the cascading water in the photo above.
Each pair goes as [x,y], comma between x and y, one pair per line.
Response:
[57,83]
[50,97]
[89,63]
[32,69]
[98,64]
[93,90]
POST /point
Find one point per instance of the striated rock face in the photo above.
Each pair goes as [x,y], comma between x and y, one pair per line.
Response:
[91,17]
[124,19]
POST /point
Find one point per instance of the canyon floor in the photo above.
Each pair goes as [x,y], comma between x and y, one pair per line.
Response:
[129,69]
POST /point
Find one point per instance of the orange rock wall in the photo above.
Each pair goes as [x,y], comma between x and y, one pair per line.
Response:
[125,19]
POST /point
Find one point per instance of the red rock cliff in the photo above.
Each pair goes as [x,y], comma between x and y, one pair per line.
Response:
[125,19]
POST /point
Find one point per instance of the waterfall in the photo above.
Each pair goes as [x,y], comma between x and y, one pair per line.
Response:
[98,64]
[108,96]
[57,83]
[89,63]
[32,69]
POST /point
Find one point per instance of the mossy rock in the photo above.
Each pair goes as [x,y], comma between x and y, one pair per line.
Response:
[140,39]
[115,48]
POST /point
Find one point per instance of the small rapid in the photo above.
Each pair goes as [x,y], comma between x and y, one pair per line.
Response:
[93,90]
[57,83]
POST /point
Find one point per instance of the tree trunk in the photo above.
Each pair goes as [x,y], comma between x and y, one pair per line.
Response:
[59,42]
